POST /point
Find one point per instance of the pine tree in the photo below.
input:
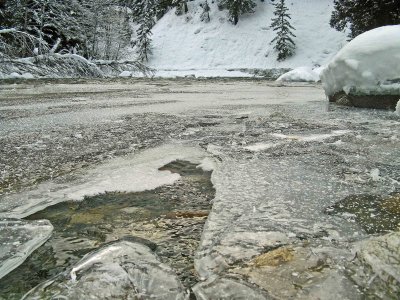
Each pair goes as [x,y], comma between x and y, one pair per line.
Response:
[181,7]
[363,15]
[205,15]
[51,22]
[146,23]
[284,43]
[237,7]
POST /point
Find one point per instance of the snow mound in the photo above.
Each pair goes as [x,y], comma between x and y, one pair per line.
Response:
[369,65]
[301,74]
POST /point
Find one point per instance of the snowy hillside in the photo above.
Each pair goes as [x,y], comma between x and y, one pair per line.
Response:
[184,43]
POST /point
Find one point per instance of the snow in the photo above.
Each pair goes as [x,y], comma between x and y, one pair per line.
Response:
[312,137]
[173,73]
[120,270]
[18,239]
[369,64]
[301,74]
[15,75]
[207,164]
[125,74]
[259,146]
[398,108]
[185,43]
[375,174]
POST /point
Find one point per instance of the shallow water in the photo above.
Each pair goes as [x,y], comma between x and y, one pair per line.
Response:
[282,157]
[172,217]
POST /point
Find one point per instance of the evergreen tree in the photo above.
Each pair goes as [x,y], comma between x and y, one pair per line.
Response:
[205,15]
[146,23]
[363,15]
[237,8]
[284,43]
[181,7]
[51,22]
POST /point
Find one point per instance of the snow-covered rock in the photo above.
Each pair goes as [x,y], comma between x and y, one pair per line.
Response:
[18,239]
[120,270]
[368,65]
[301,74]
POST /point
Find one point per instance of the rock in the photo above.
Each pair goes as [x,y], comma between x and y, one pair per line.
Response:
[392,204]
[376,268]
[366,101]
[119,270]
[274,258]
[300,273]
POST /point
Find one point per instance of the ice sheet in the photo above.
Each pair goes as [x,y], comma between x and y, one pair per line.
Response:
[120,270]
[134,173]
[18,239]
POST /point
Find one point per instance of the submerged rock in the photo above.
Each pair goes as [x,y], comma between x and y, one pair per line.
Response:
[374,213]
[119,270]
[18,239]
[274,258]
[301,272]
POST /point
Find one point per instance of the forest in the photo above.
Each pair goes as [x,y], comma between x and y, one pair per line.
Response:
[102,29]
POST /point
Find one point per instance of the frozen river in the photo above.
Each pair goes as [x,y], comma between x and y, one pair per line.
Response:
[304,200]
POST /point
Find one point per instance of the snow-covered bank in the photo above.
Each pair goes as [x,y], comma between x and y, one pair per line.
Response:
[186,43]
[54,65]
[67,66]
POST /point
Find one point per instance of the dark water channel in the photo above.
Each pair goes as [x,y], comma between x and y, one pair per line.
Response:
[172,217]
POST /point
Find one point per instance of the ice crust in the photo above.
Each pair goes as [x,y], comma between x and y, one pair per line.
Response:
[120,270]
[18,239]
[276,167]
[225,288]
[134,173]
[369,64]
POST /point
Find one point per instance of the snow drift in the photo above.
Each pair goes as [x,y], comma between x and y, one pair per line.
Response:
[368,65]
[301,74]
